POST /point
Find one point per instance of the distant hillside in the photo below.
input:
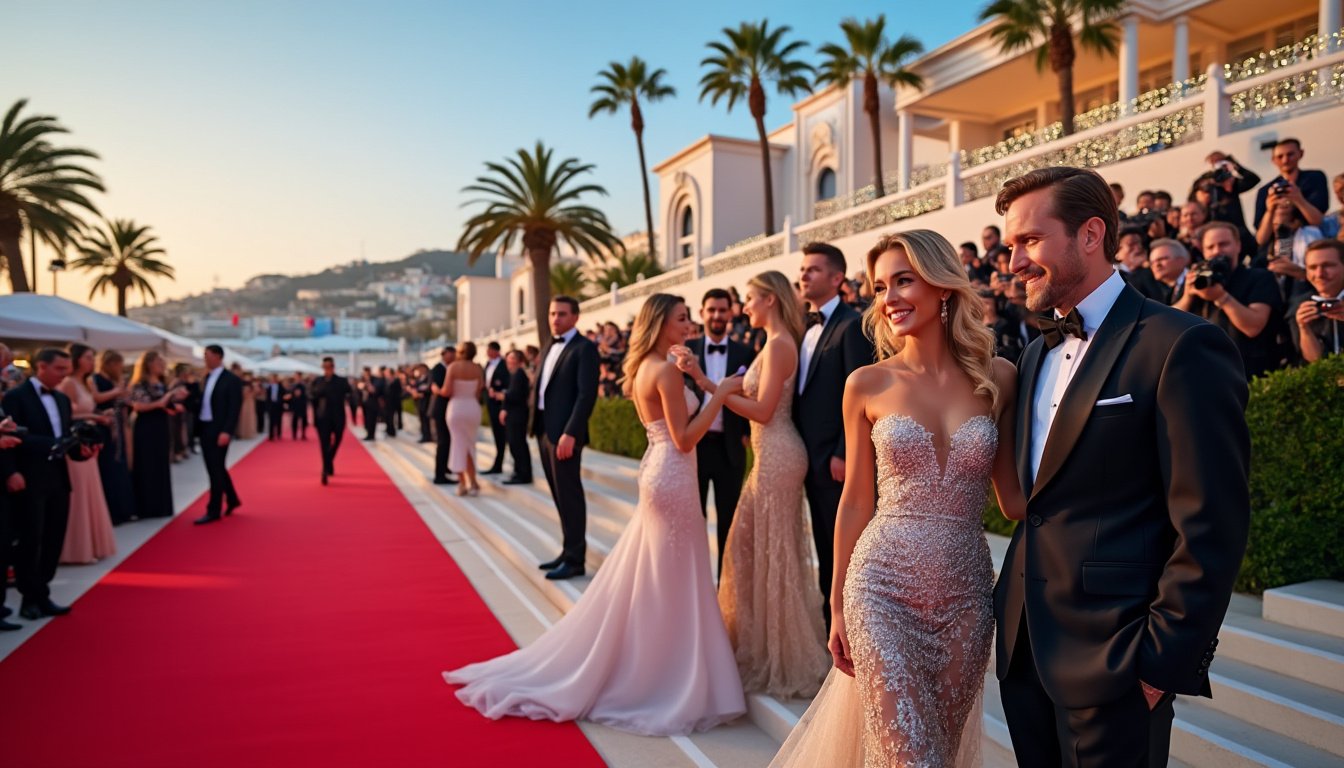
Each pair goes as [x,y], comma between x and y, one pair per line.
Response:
[353,276]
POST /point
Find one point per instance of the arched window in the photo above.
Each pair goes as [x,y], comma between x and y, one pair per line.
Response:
[825,184]
[686,234]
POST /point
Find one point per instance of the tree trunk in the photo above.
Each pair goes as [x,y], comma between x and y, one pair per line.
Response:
[18,278]
[121,301]
[1066,99]
[637,123]
[1062,56]
[873,106]
[540,259]
[756,100]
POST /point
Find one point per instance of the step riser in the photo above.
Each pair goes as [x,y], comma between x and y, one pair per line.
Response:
[1302,724]
[1289,659]
[1284,606]
[1196,747]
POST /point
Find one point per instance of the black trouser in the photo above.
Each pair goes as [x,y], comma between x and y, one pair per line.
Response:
[516,432]
[261,415]
[6,541]
[566,481]
[823,498]
[392,417]
[422,410]
[370,420]
[216,465]
[1119,733]
[442,439]
[329,434]
[298,424]
[499,432]
[275,412]
[711,457]
[38,517]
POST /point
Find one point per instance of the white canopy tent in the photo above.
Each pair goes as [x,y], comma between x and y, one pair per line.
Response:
[42,318]
[175,348]
[282,364]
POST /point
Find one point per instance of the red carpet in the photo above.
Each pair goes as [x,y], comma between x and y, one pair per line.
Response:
[308,629]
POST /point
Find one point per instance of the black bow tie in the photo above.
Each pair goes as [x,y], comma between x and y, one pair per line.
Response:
[815,318]
[721,349]
[1055,329]
[41,390]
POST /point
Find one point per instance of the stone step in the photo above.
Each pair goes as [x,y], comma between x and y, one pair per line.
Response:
[1314,605]
[1204,736]
[1301,711]
[1302,654]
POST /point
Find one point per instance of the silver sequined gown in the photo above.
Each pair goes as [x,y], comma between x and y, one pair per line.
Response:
[918,611]
[768,592]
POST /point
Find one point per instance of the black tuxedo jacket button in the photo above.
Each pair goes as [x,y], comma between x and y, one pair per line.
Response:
[1035,520]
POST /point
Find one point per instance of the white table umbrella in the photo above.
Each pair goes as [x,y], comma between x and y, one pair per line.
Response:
[282,364]
[38,317]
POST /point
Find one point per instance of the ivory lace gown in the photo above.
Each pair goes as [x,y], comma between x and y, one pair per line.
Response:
[644,649]
[768,591]
[918,612]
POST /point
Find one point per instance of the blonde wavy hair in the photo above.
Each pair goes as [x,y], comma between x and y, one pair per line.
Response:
[774,283]
[937,263]
[141,373]
[644,336]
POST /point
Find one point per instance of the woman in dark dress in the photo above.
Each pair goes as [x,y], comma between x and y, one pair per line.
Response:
[114,459]
[152,439]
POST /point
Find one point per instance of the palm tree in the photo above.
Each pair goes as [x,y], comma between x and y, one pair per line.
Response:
[870,56]
[1021,23]
[752,56]
[628,268]
[39,185]
[126,254]
[567,279]
[535,200]
[626,84]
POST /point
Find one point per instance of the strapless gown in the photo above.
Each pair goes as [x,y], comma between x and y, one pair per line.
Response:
[644,649]
[918,611]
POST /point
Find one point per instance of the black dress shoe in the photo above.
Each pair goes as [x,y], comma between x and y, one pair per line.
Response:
[6,611]
[8,626]
[30,612]
[229,509]
[48,608]
[565,571]
[493,471]
[324,478]
[516,480]
[445,481]
[551,565]
[207,518]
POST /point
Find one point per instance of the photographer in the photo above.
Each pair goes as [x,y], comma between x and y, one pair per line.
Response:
[1170,261]
[1316,316]
[1283,238]
[1332,224]
[1243,301]
[1193,218]
[1219,190]
[1309,190]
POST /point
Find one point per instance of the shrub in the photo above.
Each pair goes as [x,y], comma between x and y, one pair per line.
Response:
[1296,417]
[614,428]
[994,520]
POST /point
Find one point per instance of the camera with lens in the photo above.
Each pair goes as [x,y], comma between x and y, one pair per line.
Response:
[1221,174]
[1325,304]
[1215,271]
[83,434]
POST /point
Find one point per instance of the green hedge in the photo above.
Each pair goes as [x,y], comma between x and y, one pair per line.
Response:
[614,428]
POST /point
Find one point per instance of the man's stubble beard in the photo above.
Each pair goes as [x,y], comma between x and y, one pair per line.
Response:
[1068,275]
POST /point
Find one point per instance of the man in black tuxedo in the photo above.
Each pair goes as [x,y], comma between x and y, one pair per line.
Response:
[392,393]
[330,394]
[516,413]
[275,408]
[38,482]
[298,409]
[496,381]
[421,394]
[833,347]
[1133,454]
[565,396]
[721,455]
[438,413]
[371,387]
[221,403]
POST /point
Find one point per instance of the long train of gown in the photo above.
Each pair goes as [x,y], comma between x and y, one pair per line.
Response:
[918,611]
[88,532]
[644,649]
[768,592]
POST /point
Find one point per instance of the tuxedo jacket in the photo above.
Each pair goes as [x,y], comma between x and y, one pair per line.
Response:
[438,406]
[226,402]
[842,348]
[30,458]
[498,382]
[1137,520]
[571,392]
[330,397]
[735,427]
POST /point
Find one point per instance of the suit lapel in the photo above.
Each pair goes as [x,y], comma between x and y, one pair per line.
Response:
[559,361]
[827,332]
[1031,362]
[1082,392]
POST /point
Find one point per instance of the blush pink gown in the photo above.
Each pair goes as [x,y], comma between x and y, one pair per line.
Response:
[644,649]
[88,534]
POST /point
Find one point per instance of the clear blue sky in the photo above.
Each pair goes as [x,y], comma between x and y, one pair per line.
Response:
[278,136]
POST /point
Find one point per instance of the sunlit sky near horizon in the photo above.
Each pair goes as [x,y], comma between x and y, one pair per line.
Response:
[273,136]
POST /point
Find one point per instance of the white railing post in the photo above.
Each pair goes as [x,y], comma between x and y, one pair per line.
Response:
[906,127]
[1217,106]
[1180,66]
[1129,63]
[788,235]
[1328,23]
[615,293]
[955,193]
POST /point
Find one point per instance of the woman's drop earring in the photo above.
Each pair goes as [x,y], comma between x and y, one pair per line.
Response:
[944,312]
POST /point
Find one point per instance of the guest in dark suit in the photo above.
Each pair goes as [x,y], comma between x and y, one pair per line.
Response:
[297,403]
[833,346]
[330,394]
[275,407]
[721,455]
[8,442]
[515,412]
[371,396]
[39,486]
[438,413]
[565,396]
[421,393]
[392,393]
[1113,589]
[496,381]
[221,404]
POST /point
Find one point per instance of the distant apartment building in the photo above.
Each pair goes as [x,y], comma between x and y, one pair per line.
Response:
[356,327]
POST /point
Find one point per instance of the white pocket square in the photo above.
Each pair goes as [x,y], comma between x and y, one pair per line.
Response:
[1115,400]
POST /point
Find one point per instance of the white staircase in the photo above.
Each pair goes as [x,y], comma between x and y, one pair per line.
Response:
[1278,678]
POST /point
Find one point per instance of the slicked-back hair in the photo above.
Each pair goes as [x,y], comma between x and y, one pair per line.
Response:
[1328,244]
[215,349]
[49,355]
[570,301]
[1077,196]
[835,258]
[329,359]
[714,294]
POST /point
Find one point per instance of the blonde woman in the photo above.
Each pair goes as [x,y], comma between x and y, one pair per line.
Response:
[926,429]
[644,649]
[768,592]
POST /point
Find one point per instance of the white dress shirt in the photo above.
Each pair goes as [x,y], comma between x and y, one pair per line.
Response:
[208,414]
[548,365]
[1061,363]
[490,366]
[49,403]
[813,337]
[716,370]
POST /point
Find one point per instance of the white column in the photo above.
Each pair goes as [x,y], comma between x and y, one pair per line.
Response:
[1180,63]
[1129,61]
[955,192]
[1217,120]
[1328,20]
[906,146]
